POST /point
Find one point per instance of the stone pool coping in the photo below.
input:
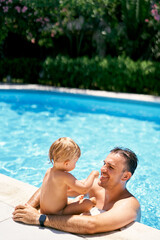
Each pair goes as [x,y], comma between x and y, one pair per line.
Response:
[14,192]
[98,93]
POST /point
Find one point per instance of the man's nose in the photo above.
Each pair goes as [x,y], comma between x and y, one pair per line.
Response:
[103,169]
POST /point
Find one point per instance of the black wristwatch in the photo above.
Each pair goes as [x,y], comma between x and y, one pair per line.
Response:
[42,219]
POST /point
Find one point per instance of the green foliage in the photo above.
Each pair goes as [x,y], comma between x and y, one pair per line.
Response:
[20,68]
[139,34]
[111,74]
[115,27]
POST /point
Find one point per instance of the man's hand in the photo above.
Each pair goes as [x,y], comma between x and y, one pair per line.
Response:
[26,214]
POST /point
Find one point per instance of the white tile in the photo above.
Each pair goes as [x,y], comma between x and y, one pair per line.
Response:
[5,211]
[10,230]
[14,192]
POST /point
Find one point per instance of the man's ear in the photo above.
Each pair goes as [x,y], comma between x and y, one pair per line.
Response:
[126,176]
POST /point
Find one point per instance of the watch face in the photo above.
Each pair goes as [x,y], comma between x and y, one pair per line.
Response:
[42,219]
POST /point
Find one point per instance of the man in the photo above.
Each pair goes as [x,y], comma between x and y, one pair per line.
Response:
[121,207]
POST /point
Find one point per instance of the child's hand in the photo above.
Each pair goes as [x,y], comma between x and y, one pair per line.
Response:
[95,173]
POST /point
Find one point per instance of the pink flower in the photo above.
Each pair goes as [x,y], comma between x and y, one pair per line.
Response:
[155,6]
[5,9]
[146,20]
[24,9]
[18,9]
[33,40]
[39,19]
[52,34]
[9,1]
[157,18]
[46,19]
[154,12]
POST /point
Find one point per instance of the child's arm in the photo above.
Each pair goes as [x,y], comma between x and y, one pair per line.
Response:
[79,186]
[71,192]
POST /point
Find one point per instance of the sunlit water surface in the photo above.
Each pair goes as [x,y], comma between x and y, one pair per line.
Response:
[30,121]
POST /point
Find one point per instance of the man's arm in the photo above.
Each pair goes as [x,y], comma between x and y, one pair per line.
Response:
[122,213]
[118,216]
[69,223]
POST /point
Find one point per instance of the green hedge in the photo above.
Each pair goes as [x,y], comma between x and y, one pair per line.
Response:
[26,69]
[111,74]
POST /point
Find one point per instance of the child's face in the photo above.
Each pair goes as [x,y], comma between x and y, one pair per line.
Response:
[72,164]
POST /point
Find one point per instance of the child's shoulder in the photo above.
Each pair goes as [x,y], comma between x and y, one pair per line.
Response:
[63,175]
[57,172]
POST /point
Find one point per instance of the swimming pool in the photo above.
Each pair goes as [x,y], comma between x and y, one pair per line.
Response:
[31,120]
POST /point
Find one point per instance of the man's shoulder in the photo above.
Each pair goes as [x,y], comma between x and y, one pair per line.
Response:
[128,200]
[130,204]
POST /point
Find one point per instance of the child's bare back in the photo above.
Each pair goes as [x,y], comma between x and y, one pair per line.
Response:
[53,192]
[64,153]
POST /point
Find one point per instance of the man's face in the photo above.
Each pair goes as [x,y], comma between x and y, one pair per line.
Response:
[112,171]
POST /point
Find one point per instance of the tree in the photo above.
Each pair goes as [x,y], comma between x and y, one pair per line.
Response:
[88,27]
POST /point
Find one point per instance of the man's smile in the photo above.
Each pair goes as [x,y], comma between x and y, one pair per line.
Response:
[104,176]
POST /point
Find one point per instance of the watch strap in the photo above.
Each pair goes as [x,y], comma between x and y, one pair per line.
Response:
[42,219]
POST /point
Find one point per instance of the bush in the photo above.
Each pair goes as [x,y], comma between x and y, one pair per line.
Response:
[21,68]
[67,72]
[111,74]
[89,27]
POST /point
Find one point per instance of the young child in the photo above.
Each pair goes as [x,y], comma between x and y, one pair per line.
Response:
[64,153]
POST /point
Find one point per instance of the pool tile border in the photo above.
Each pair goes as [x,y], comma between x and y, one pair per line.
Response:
[98,93]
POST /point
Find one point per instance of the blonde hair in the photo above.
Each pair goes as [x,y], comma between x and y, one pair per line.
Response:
[64,149]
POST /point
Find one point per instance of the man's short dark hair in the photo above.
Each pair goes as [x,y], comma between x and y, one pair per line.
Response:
[130,157]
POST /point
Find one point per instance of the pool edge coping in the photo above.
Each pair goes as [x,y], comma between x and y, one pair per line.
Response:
[87,92]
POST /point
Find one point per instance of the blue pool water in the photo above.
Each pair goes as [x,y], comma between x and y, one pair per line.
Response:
[31,120]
